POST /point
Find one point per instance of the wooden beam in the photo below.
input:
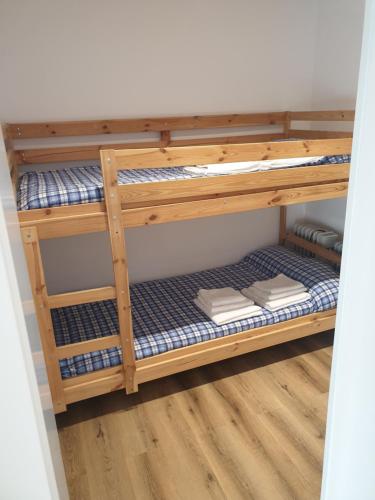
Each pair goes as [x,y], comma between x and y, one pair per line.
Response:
[286,125]
[121,126]
[233,345]
[319,134]
[318,250]
[81,297]
[94,384]
[177,156]
[282,224]
[80,222]
[67,351]
[11,157]
[342,116]
[42,156]
[43,313]
[165,138]
[231,204]
[178,360]
[156,193]
[120,266]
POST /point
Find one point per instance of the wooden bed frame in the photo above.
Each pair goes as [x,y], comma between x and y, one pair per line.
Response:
[133,205]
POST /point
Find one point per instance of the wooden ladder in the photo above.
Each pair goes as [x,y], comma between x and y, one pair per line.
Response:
[120,266]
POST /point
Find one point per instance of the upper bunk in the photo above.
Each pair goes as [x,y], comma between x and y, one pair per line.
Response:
[173,177]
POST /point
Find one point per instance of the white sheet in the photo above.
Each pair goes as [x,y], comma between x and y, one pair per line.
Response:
[250,166]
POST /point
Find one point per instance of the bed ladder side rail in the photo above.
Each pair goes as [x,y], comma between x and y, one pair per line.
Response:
[43,313]
[282,225]
[286,126]
[11,157]
[120,266]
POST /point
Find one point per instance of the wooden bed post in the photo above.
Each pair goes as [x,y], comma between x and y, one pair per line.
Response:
[120,266]
[287,124]
[12,157]
[43,313]
[282,225]
[165,138]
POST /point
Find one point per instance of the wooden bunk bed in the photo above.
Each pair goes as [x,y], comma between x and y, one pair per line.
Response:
[146,203]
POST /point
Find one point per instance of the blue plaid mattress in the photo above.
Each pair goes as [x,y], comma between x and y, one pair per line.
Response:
[77,185]
[165,317]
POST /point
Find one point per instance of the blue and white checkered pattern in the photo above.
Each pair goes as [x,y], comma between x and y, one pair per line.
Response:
[165,317]
[77,185]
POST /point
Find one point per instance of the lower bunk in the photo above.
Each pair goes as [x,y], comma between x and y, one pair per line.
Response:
[171,334]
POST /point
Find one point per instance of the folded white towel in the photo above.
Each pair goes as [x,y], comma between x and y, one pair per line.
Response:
[266,296]
[279,284]
[221,296]
[230,316]
[213,310]
[274,305]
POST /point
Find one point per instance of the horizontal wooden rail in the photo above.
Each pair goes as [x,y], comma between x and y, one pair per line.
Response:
[120,126]
[92,152]
[236,344]
[112,379]
[81,297]
[67,351]
[318,134]
[57,224]
[231,204]
[156,193]
[174,156]
[314,248]
[341,116]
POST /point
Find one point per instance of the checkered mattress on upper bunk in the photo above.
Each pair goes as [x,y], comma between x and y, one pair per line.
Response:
[78,185]
[165,317]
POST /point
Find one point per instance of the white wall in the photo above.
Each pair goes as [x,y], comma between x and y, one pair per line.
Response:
[76,60]
[337,55]
[350,442]
[29,452]
[91,59]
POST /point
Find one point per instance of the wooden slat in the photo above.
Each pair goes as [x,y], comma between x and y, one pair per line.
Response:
[45,214]
[312,320]
[319,134]
[67,351]
[156,192]
[282,224]
[39,289]
[178,360]
[92,152]
[346,115]
[249,342]
[232,184]
[120,266]
[177,156]
[119,126]
[100,382]
[314,248]
[11,157]
[165,138]
[82,223]
[286,125]
[61,226]
[92,376]
[231,204]
[81,297]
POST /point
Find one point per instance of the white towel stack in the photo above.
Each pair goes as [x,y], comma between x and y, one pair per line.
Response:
[224,305]
[276,293]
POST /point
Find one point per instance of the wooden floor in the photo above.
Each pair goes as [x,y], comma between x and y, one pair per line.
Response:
[247,428]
